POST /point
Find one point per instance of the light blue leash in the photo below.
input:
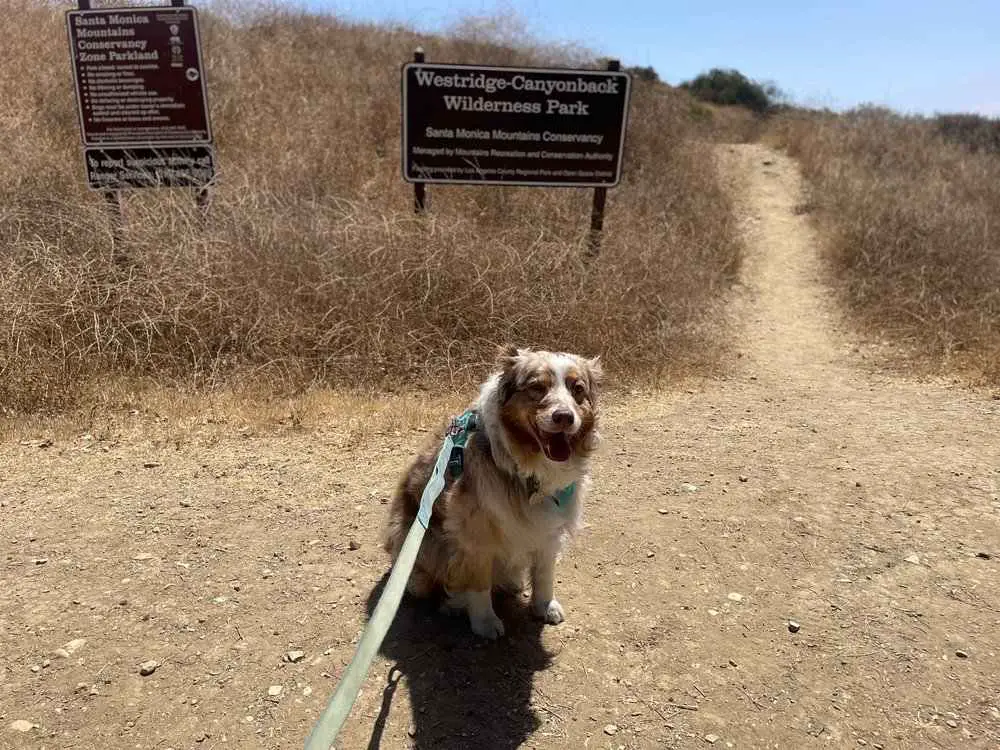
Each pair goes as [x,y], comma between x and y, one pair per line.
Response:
[335,714]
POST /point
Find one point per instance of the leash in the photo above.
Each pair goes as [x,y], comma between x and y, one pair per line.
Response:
[449,458]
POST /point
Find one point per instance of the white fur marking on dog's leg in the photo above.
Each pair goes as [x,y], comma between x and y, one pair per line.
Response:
[482,618]
[543,606]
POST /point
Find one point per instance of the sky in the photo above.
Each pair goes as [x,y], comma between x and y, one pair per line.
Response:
[921,56]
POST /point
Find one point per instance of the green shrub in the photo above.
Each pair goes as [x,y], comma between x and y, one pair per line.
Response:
[730,87]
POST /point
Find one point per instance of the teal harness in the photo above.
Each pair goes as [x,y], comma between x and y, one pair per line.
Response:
[564,497]
[451,461]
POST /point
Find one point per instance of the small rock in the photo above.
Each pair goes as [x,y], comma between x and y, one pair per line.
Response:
[307,691]
[793,627]
[983,555]
[610,729]
[39,560]
[913,558]
[651,554]
[150,464]
[20,725]
[35,668]
[711,739]
[732,663]
[862,742]
[61,653]
[80,687]
[295,657]
[713,612]
[952,723]
[148,667]
[46,662]
[744,478]
[73,646]
[93,690]
[353,545]
[266,573]
[185,503]
[734,597]
[688,487]
[143,556]
[275,691]
[662,511]
[962,654]
[411,731]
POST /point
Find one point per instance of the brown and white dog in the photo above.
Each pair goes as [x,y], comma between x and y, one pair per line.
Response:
[519,496]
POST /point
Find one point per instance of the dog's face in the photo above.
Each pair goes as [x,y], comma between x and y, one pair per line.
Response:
[549,402]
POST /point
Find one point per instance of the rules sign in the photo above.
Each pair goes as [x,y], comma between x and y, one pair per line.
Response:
[140,86]
[513,126]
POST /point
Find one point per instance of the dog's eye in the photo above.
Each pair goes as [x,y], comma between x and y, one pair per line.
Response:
[579,391]
[536,390]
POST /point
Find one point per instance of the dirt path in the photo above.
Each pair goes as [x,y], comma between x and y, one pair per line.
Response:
[804,486]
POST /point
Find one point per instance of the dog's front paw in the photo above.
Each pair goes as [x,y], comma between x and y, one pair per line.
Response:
[551,611]
[487,626]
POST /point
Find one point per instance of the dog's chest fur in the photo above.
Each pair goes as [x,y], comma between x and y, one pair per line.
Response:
[522,511]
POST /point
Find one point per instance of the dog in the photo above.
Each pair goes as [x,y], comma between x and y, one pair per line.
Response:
[518,499]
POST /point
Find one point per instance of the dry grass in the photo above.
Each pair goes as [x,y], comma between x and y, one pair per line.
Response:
[131,410]
[724,123]
[913,232]
[310,266]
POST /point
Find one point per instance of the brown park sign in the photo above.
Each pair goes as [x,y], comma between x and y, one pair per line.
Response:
[140,87]
[513,126]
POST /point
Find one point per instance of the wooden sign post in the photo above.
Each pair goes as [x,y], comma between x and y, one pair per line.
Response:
[600,198]
[419,194]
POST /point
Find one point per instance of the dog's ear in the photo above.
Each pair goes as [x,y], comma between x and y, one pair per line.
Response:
[506,353]
[595,374]
[509,356]
[595,369]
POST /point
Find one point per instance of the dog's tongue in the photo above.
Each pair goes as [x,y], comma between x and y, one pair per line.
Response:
[557,447]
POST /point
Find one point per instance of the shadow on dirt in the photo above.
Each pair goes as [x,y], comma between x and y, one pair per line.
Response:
[465,692]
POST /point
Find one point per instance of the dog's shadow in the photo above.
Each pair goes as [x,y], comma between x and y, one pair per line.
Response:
[465,692]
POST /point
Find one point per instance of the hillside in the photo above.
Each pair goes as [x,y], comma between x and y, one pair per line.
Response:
[309,266]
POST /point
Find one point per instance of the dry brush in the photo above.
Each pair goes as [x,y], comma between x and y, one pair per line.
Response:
[309,265]
[911,225]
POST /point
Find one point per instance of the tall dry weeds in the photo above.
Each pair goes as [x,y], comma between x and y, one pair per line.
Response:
[912,227]
[310,265]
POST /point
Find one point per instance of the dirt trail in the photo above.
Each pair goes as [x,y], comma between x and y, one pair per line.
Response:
[788,324]
[806,486]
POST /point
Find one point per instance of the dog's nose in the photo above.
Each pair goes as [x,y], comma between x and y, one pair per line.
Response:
[563,418]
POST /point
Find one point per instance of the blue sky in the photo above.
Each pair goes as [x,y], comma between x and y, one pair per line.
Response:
[916,56]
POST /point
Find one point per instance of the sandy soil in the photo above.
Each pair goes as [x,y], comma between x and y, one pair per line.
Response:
[808,486]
